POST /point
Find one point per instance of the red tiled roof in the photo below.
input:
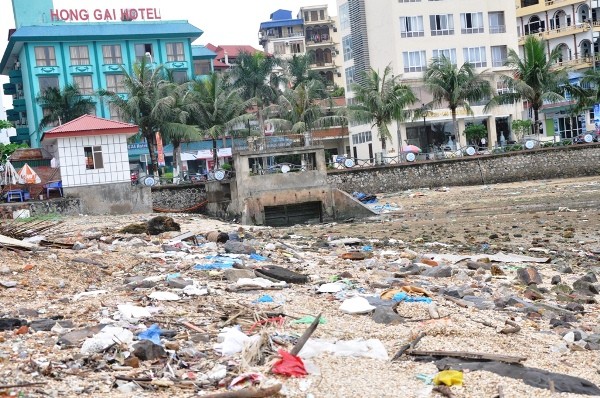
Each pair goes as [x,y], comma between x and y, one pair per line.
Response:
[232,50]
[90,125]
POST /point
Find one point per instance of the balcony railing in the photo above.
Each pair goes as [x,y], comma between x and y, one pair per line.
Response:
[576,62]
[547,34]
[274,142]
[498,29]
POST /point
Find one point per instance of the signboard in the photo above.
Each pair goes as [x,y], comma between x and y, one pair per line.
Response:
[160,149]
[138,145]
[597,117]
[105,14]
[207,153]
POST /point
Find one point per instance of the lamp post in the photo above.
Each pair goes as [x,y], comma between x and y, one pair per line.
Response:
[424,114]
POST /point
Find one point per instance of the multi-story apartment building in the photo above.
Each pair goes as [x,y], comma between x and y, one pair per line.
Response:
[313,32]
[91,48]
[406,35]
[573,26]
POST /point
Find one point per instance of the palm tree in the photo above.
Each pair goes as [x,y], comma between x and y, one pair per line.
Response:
[298,70]
[61,106]
[381,99]
[174,108]
[533,78]
[455,87]
[300,110]
[5,124]
[217,108]
[253,75]
[143,87]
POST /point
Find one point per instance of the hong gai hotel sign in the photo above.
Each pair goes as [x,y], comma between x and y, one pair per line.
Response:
[105,14]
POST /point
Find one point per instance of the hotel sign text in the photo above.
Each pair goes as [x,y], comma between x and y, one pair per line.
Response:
[106,14]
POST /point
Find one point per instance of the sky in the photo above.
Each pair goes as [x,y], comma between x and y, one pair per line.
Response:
[223,21]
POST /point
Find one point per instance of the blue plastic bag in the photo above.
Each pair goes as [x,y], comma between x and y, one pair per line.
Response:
[152,334]
[402,296]
[264,299]
[258,257]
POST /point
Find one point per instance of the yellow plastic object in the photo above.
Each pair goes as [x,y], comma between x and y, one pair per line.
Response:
[449,378]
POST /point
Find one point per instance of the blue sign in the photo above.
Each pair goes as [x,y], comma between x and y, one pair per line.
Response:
[138,145]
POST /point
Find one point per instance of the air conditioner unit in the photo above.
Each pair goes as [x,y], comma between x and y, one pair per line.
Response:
[287,43]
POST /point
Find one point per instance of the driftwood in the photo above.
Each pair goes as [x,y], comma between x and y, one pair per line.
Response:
[140,379]
[305,336]
[409,345]
[247,393]
[6,386]
[459,302]
[467,355]
[193,327]
[513,327]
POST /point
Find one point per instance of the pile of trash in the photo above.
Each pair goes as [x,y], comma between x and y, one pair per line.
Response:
[258,312]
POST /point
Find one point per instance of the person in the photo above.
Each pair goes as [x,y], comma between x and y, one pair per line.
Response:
[483,143]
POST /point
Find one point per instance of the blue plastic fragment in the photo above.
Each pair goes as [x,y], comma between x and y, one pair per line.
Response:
[402,296]
[152,334]
[173,276]
[367,248]
[264,299]
[258,257]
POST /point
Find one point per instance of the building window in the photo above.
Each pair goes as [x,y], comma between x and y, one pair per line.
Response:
[347,46]
[175,52]
[45,56]
[116,113]
[290,30]
[112,54]
[314,16]
[499,55]
[449,53]
[411,26]
[296,47]
[202,67]
[496,20]
[344,12]
[475,56]
[568,126]
[143,50]
[349,78]
[471,22]
[114,83]
[502,88]
[306,16]
[93,157]
[362,137]
[414,61]
[279,48]
[84,84]
[79,55]
[179,76]
[47,82]
[441,25]
[322,15]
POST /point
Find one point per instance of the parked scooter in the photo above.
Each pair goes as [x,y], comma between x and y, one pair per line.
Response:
[135,178]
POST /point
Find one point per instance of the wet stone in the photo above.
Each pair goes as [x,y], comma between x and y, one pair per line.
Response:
[412,269]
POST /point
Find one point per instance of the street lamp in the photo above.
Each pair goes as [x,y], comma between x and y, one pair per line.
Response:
[424,114]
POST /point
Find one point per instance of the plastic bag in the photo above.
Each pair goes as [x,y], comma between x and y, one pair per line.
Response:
[289,365]
[152,334]
[449,378]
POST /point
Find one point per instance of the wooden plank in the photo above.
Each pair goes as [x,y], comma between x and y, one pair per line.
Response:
[8,241]
[468,355]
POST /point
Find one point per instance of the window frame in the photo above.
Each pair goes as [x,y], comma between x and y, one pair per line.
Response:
[147,48]
[84,89]
[118,83]
[497,63]
[173,53]
[49,55]
[43,87]
[77,58]
[436,22]
[450,53]
[406,60]
[94,154]
[113,56]
[480,51]
[493,19]
[407,29]
[468,23]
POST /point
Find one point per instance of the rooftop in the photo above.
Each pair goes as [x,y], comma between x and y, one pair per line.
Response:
[90,125]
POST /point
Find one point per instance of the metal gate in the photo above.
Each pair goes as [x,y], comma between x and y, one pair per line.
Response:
[298,213]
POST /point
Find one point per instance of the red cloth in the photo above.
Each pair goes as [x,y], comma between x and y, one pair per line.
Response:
[289,365]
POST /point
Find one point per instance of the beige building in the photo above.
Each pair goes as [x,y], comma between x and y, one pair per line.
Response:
[313,32]
[573,26]
[407,34]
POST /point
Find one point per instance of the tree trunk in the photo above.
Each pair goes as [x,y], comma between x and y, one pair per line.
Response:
[177,163]
[151,141]
[215,153]
[536,125]
[455,125]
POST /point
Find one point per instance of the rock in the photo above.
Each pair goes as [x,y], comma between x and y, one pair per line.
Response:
[219,237]
[575,307]
[568,234]
[160,224]
[533,294]
[590,277]
[566,270]
[386,315]
[179,283]
[585,287]
[478,265]
[132,361]
[556,280]
[281,274]
[11,323]
[146,350]
[593,338]
[438,272]
[238,248]
[78,246]
[4,271]
[45,325]
[562,288]
[354,256]
[412,269]
[496,270]
[8,284]
[529,275]
[453,292]
[480,302]
[233,274]
[592,346]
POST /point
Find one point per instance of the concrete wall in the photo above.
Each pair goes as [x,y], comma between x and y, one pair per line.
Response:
[119,198]
[544,163]
[62,206]
[178,197]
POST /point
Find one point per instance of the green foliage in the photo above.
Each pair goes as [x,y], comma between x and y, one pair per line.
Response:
[63,105]
[521,127]
[338,91]
[7,149]
[475,132]
[380,100]
[4,124]
[226,166]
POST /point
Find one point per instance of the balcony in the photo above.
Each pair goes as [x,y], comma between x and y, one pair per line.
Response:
[326,21]
[46,70]
[19,105]
[80,69]
[15,73]
[19,138]
[12,115]
[112,68]
[23,131]
[546,5]
[576,63]
[9,88]
[177,65]
[560,32]
[323,65]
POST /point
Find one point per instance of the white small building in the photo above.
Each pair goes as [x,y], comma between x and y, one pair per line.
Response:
[91,153]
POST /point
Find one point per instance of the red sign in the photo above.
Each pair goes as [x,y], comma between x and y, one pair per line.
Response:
[106,14]
[160,150]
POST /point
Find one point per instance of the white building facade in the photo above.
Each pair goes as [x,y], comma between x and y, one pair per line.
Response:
[406,35]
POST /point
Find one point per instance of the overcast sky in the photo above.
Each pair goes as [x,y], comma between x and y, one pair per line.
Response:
[223,21]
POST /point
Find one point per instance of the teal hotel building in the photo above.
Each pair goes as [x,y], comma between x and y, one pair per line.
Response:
[89,48]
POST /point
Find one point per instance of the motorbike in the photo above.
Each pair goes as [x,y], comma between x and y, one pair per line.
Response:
[135,178]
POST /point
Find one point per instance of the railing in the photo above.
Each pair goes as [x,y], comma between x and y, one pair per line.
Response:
[584,61]
[281,168]
[551,32]
[497,29]
[260,144]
